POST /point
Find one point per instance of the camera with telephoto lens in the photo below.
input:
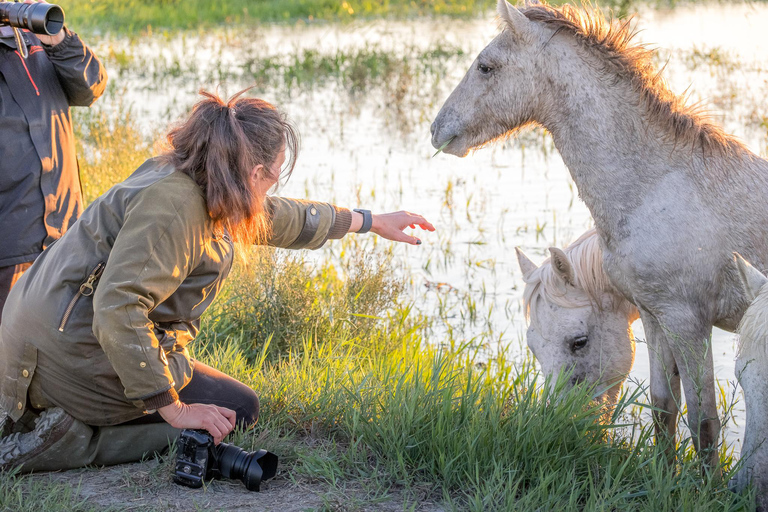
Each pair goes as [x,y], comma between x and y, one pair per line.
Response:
[46,19]
[199,459]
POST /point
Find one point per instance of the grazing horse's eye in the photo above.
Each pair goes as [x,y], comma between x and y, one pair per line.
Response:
[483,68]
[579,343]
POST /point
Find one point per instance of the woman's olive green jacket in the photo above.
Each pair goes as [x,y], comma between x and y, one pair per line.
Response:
[102,319]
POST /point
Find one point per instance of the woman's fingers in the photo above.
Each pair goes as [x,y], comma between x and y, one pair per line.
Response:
[230,415]
[218,421]
[397,235]
[421,222]
[391,226]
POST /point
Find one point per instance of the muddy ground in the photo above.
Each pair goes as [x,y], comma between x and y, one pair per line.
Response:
[147,486]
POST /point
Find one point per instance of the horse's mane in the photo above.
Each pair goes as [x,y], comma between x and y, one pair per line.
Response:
[586,257]
[611,41]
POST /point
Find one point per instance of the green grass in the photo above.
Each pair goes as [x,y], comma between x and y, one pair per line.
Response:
[18,494]
[127,16]
[110,147]
[383,406]
[150,16]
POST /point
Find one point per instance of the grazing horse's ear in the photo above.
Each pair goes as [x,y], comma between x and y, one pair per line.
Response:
[526,265]
[515,20]
[562,265]
[751,278]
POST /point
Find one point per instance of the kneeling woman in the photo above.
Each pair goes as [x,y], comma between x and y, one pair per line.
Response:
[93,356]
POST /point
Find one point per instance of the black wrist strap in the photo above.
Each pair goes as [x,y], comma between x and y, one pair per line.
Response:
[367,220]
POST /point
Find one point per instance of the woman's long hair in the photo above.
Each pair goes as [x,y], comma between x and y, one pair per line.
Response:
[219,145]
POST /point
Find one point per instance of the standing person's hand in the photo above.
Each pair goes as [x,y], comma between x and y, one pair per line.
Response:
[218,421]
[49,40]
[391,225]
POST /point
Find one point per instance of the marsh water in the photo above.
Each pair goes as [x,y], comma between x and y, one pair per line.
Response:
[363,96]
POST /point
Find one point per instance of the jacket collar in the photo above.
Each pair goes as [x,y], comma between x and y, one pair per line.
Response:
[7,39]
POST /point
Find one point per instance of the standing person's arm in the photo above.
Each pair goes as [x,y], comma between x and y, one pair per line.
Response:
[80,73]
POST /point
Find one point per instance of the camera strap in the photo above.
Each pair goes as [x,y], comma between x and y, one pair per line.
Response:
[15,39]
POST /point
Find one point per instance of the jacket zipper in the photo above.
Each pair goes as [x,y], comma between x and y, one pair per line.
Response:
[23,63]
[86,290]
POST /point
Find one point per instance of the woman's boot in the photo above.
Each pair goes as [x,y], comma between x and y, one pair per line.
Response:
[59,442]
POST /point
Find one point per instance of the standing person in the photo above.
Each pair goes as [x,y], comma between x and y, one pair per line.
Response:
[94,367]
[40,195]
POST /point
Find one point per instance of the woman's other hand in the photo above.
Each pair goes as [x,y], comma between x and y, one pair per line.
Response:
[391,226]
[218,421]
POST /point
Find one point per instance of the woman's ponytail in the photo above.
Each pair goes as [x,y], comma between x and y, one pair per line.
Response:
[219,145]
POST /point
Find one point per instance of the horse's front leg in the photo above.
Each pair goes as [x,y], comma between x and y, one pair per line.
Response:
[665,383]
[689,341]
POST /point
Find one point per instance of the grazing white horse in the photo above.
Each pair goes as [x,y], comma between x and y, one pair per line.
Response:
[670,193]
[752,372]
[578,322]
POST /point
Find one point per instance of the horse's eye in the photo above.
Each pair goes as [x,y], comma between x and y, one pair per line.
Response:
[483,68]
[579,343]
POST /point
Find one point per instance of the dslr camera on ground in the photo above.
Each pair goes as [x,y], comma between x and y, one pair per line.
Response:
[199,459]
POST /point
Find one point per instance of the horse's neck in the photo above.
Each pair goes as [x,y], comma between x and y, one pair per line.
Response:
[614,154]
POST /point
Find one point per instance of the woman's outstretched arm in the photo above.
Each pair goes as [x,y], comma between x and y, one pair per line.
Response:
[302,224]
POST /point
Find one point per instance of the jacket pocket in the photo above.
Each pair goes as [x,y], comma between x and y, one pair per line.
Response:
[85,290]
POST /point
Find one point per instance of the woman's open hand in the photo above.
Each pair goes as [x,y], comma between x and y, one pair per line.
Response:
[218,421]
[391,226]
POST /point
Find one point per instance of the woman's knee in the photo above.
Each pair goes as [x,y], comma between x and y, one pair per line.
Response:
[249,409]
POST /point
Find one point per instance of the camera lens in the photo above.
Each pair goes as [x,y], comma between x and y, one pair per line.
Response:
[248,467]
[37,18]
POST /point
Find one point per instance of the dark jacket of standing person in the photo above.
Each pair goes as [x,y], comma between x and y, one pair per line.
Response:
[40,195]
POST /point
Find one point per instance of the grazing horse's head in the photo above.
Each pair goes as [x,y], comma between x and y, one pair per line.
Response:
[578,322]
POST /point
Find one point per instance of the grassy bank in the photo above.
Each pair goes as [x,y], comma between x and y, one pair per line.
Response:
[353,394]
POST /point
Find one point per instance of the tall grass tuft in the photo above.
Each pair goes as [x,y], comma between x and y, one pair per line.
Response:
[284,300]
[377,404]
[110,146]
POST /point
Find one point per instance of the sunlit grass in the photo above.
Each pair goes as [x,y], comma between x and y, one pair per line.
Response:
[394,410]
[144,15]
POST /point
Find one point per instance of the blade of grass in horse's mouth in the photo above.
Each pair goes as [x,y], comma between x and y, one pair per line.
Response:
[440,150]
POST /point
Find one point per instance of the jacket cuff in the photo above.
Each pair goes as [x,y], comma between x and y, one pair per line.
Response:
[69,38]
[341,225]
[161,400]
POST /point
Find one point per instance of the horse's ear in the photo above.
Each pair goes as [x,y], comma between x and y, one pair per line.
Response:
[516,20]
[751,278]
[526,265]
[562,265]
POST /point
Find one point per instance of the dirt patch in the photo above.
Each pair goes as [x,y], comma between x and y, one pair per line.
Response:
[147,486]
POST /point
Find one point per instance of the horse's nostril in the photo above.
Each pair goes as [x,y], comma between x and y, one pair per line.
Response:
[432,129]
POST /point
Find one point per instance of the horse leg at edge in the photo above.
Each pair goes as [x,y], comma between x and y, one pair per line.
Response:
[690,343]
[665,384]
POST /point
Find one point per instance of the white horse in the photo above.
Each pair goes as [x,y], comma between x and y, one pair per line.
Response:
[752,372]
[671,194]
[578,322]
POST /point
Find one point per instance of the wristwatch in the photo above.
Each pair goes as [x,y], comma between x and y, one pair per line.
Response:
[367,220]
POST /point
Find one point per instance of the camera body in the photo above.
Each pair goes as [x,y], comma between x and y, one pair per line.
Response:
[199,459]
